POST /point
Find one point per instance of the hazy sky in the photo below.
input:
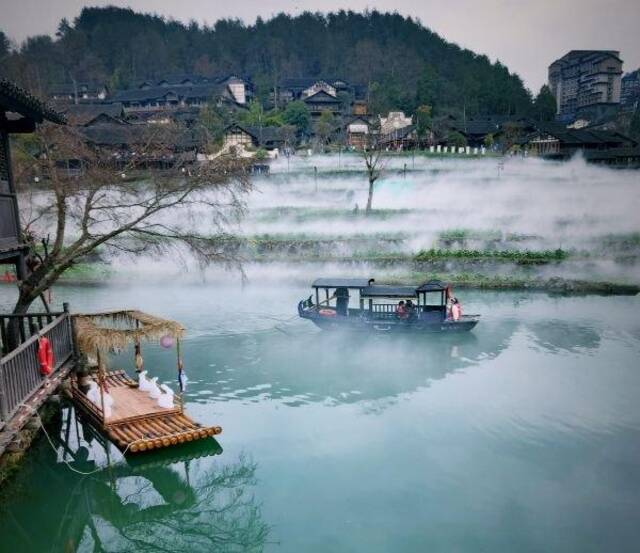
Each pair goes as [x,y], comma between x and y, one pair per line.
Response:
[524,35]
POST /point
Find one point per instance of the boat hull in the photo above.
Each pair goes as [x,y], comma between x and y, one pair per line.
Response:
[358,324]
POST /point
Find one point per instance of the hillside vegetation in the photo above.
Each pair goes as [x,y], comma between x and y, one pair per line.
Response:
[401,62]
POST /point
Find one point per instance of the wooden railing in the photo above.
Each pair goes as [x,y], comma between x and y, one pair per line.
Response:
[20,373]
[17,329]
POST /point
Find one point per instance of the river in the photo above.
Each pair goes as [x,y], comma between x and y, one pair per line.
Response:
[523,435]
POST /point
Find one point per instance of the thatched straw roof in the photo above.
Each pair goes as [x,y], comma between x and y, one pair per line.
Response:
[116,329]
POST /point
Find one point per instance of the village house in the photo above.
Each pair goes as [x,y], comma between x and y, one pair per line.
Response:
[172,93]
[556,142]
[476,129]
[298,88]
[403,138]
[79,92]
[252,137]
[85,115]
[393,121]
[323,101]
[335,94]
[357,132]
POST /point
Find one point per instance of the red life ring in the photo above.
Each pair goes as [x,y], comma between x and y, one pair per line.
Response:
[327,313]
[45,356]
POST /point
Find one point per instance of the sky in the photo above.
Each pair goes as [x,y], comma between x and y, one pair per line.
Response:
[525,36]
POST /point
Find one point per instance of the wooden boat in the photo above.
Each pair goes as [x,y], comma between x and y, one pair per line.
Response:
[377,307]
[134,422]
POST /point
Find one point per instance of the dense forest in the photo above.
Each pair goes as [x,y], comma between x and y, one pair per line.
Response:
[403,64]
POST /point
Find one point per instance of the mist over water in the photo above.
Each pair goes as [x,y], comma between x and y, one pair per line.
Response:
[304,223]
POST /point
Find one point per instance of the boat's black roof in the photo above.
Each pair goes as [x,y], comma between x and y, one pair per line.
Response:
[341,282]
[432,286]
[379,290]
[382,291]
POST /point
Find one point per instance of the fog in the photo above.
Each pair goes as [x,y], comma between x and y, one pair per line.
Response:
[306,219]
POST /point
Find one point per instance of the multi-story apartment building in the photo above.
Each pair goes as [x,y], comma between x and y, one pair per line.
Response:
[586,81]
[630,95]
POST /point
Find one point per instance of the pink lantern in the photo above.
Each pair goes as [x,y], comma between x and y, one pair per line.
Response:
[166,341]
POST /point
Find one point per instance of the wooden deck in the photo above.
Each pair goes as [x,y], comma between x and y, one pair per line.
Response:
[138,424]
[129,403]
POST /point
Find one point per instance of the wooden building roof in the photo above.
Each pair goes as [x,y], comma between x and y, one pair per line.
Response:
[17,100]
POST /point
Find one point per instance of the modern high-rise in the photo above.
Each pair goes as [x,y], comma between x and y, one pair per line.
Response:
[585,81]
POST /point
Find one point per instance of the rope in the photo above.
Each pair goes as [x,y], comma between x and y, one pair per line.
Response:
[55,449]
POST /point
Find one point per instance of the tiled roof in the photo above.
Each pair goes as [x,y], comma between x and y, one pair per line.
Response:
[321,97]
[16,99]
[201,90]
[81,114]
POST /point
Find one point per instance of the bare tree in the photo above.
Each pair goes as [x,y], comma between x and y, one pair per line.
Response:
[375,160]
[82,203]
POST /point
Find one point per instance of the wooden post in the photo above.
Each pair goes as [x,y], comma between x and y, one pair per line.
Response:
[180,370]
[101,383]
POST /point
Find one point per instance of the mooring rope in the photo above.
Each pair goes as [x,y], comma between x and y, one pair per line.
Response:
[55,449]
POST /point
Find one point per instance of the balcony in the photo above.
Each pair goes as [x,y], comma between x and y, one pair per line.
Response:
[21,381]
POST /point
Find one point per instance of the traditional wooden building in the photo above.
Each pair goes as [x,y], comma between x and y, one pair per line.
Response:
[186,91]
[357,132]
[252,137]
[85,115]
[552,141]
[322,101]
[23,387]
[404,138]
[19,113]
[79,92]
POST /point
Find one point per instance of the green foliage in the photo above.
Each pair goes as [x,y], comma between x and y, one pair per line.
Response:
[522,257]
[214,120]
[5,45]
[261,154]
[325,126]
[544,106]
[489,141]
[454,138]
[423,121]
[402,64]
[254,116]
[297,114]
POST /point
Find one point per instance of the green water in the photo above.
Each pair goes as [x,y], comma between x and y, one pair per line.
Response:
[522,436]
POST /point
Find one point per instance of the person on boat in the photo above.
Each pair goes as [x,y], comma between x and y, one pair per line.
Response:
[401,310]
[456,309]
[410,309]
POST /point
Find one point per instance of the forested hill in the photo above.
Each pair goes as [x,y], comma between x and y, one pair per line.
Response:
[403,63]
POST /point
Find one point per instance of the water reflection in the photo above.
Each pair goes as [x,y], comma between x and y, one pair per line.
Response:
[179,499]
[556,335]
[328,367]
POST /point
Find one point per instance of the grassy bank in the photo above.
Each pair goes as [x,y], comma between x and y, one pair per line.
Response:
[521,257]
[552,285]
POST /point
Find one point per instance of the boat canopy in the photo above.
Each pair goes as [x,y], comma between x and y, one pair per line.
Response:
[382,291]
[432,286]
[342,282]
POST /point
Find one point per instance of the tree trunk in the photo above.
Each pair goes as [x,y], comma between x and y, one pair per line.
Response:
[370,198]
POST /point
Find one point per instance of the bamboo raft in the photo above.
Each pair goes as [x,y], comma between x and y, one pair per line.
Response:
[133,430]
[136,422]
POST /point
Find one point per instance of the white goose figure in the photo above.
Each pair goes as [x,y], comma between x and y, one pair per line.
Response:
[166,400]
